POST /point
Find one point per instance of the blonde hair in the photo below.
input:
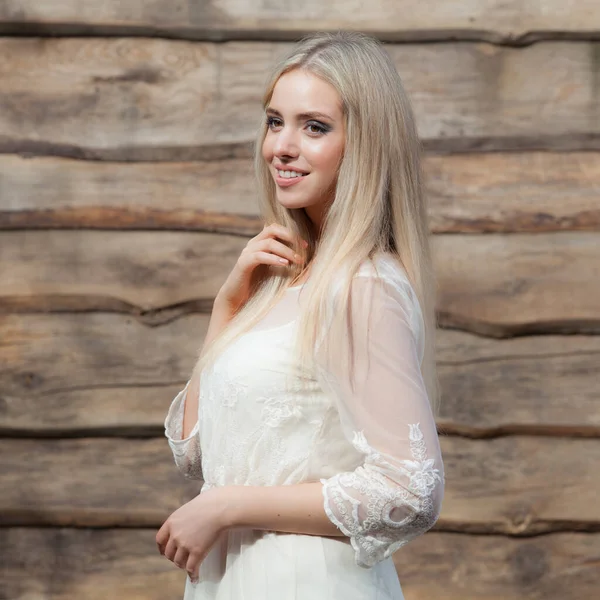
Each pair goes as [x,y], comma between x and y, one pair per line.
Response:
[379,203]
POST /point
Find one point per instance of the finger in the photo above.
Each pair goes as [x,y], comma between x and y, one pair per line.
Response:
[193,567]
[181,558]
[171,549]
[279,231]
[273,246]
[266,258]
[162,537]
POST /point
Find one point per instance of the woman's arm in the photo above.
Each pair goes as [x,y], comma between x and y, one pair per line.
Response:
[289,508]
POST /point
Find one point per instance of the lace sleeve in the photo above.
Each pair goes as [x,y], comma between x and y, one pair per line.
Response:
[186,451]
[396,494]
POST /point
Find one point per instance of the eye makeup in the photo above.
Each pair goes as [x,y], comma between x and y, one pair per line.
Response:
[321,128]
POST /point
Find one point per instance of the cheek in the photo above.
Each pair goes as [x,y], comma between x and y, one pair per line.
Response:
[267,151]
[326,156]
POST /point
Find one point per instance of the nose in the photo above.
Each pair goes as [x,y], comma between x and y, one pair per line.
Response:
[286,143]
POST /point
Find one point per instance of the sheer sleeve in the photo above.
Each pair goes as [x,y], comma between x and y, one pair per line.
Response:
[186,451]
[396,493]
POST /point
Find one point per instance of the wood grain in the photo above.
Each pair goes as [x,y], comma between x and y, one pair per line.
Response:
[516,485]
[520,485]
[140,271]
[539,385]
[131,99]
[470,567]
[516,284]
[511,192]
[96,564]
[211,196]
[468,193]
[91,482]
[514,21]
[92,373]
[85,374]
[497,285]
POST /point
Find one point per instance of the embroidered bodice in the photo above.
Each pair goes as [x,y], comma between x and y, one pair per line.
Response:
[373,445]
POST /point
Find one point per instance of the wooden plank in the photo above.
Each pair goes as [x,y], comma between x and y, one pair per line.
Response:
[151,99]
[540,385]
[83,374]
[121,564]
[91,482]
[520,485]
[514,485]
[519,283]
[469,567]
[207,196]
[92,373]
[468,193]
[124,564]
[515,21]
[513,192]
[118,271]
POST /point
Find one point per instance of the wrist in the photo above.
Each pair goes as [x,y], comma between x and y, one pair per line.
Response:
[227,498]
[224,305]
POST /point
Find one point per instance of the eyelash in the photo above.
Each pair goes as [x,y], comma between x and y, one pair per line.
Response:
[322,128]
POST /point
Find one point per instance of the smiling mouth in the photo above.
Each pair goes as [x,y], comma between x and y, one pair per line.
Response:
[284,174]
[288,182]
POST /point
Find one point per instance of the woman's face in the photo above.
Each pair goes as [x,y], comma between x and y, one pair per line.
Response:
[305,136]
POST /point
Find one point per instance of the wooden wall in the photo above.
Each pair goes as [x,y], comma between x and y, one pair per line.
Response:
[125,198]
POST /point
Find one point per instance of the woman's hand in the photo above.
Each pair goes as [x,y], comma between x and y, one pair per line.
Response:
[263,249]
[187,536]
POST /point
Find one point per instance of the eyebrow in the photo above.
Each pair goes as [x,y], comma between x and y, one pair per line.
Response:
[304,115]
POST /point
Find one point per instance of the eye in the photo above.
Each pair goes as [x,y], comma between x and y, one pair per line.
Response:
[272,121]
[321,129]
[317,128]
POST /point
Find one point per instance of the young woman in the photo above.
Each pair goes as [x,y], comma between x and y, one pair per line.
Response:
[309,416]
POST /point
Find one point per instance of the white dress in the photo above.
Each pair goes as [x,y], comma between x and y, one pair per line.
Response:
[374,448]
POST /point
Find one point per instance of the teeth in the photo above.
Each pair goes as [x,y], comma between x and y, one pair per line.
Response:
[289,174]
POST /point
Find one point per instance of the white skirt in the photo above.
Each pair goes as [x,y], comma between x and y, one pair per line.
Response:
[249,564]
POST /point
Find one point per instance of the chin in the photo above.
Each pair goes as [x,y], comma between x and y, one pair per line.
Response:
[291,200]
[292,204]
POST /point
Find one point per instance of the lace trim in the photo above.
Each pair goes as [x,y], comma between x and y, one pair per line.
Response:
[376,536]
[186,451]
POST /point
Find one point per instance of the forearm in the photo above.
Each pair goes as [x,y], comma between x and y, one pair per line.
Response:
[295,508]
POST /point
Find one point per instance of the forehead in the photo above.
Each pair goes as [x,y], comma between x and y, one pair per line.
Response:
[300,91]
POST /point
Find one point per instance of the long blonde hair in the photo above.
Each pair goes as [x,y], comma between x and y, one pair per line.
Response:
[379,203]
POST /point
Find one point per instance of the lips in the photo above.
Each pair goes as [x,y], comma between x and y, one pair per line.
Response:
[284,182]
[283,168]
[288,181]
